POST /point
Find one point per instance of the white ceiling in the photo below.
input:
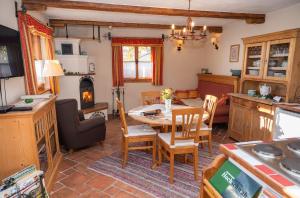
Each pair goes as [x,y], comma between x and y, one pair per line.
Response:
[254,6]
[251,6]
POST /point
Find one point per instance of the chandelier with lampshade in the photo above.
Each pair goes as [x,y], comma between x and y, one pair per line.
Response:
[188,32]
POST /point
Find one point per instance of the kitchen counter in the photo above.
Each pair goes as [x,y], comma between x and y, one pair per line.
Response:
[273,181]
[251,98]
[294,107]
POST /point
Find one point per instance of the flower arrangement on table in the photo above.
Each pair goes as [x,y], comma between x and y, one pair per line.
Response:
[166,94]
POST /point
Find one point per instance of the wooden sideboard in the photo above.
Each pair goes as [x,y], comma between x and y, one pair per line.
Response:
[250,118]
[270,59]
[28,138]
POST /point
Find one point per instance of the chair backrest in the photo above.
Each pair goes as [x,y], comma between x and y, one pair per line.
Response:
[67,119]
[189,118]
[210,105]
[122,116]
[150,97]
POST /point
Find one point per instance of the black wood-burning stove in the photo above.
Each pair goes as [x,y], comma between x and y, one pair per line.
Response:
[87,95]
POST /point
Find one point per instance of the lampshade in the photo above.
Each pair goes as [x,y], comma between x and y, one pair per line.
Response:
[52,68]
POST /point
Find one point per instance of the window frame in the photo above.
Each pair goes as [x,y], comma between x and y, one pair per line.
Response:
[39,55]
[136,56]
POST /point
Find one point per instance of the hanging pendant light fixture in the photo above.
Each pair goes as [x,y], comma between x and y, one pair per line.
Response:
[188,32]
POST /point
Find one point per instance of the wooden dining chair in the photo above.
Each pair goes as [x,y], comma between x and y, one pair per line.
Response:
[183,142]
[134,134]
[150,97]
[205,134]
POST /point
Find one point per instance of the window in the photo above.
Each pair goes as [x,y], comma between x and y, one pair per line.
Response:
[137,63]
[40,54]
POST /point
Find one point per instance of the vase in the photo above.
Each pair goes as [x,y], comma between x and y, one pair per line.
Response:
[168,105]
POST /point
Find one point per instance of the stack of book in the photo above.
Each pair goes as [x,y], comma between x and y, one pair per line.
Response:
[28,182]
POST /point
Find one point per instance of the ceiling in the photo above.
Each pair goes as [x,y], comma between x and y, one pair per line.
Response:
[253,6]
[246,6]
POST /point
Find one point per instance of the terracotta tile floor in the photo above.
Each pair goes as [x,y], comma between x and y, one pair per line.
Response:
[74,179]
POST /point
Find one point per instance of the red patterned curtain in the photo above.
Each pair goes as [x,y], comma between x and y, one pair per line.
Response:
[117,58]
[30,30]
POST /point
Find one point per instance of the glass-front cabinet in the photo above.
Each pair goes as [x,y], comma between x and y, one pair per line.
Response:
[254,60]
[269,60]
[278,59]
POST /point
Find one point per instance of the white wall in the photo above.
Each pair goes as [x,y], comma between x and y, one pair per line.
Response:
[15,86]
[218,60]
[180,68]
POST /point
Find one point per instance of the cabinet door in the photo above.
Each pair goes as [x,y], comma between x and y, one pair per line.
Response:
[52,134]
[262,123]
[279,58]
[239,122]
[253,60]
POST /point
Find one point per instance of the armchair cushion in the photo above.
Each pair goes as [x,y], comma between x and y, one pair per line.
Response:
[87,125]
[81,115]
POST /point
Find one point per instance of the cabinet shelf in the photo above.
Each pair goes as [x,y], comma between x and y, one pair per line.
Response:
[278,68]
[256,68]
[254,56]
[279,55]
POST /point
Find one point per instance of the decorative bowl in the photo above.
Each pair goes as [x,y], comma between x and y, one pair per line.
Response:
[251,92]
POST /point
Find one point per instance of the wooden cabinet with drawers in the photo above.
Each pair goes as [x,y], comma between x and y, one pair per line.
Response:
[270,59]
[250,119]
[28,138]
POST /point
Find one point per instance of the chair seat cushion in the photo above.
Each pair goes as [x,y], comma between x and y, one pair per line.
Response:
[204,127]
[166,138]
[140,130]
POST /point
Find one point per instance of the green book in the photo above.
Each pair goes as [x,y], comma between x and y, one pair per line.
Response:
[230,181]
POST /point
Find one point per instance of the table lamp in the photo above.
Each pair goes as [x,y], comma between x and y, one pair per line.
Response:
[52,68]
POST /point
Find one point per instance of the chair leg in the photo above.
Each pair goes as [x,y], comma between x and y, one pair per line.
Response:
[201,140]
[185,158]
[209,144]
[154,154]
[125,157]
[196,159]
[171,179]
[159,153]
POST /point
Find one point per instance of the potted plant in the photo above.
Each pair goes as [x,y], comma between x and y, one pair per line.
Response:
[166,95]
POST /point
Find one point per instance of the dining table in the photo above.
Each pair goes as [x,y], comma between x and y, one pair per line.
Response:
[163,119]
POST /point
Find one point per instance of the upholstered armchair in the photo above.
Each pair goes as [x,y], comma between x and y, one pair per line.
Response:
[74,131]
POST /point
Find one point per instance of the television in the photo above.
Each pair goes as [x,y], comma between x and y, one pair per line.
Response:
[11,61]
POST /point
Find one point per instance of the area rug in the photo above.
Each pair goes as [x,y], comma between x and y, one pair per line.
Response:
[156,182]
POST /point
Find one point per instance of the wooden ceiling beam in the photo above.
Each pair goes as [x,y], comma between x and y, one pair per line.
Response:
[35,7]
[61,23]
[248,17]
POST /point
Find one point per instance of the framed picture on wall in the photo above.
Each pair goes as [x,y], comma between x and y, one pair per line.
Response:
[234,53]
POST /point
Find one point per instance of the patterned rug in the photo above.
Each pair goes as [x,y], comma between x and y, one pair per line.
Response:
[156,182]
